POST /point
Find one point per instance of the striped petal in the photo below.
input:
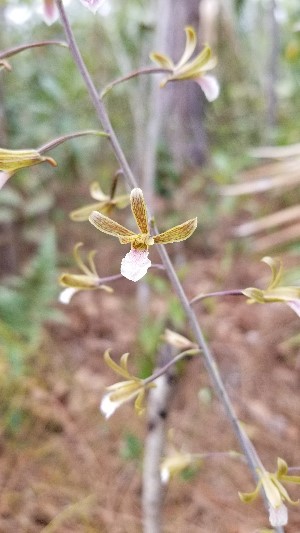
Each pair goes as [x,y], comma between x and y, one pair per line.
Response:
[139,210]
[109,226]
[178,233]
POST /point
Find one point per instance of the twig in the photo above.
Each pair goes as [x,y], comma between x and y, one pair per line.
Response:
[17,49]
[232,292]
[134,74]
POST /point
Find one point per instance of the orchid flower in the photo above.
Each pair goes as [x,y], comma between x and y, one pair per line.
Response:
[123,391]
[176,462]
[191,69]
[105,203]
[78,282]
[273,293]
[275,492]
[136,263]
[12,160]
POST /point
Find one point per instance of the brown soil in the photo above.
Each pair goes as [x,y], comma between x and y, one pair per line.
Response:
[65,471]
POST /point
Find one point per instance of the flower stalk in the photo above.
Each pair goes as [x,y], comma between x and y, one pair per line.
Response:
[208,358]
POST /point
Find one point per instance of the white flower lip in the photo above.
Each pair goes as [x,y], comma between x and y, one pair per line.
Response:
[164,475]
[209,86]
[278,516]
[135,265]
[107,407]
[67,294]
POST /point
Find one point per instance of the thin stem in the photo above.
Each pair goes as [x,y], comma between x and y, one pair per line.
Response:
[232,292]
[98,104]
[134,74]
[17,49]
[208,359]
[56,142]
[173,361]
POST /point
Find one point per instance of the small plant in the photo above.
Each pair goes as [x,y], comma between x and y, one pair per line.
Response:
[29,306]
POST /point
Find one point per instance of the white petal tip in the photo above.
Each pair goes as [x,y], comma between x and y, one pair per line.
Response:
[107,407]
[209,86]
[66,295]
[278,516]
[135,265]
[164,475]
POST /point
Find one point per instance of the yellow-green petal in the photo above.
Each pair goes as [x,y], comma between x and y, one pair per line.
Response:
[282,467]
[162,60]
[11,160]
[275,265]
[97,193]
[248,497]
[178,233]
[115,367]
[78,281]
[139,210]
[83,213]
[109,226]
[190,45]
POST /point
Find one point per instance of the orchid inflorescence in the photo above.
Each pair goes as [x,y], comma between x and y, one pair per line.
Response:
[136,263]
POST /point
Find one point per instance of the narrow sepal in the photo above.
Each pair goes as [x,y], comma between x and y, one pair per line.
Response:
[178,233]
[139,210]
[11,160]
[109,226]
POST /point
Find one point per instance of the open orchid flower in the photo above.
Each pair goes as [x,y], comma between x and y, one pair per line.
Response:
[105,203]
[124,391]
[273,293]
[191,69]
[136,263]
[275,492]
[79,282]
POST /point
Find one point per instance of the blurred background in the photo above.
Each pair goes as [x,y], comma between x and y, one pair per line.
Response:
[63,468]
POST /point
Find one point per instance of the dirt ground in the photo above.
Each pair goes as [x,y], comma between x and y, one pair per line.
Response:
[65,471]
